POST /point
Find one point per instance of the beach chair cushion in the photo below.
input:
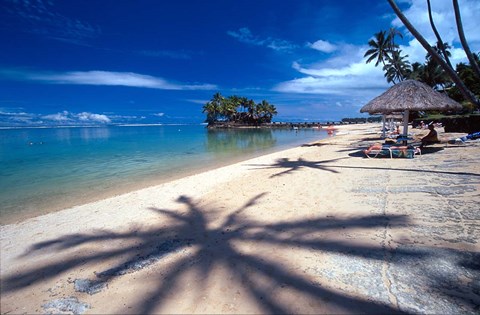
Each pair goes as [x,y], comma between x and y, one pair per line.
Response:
[394,152]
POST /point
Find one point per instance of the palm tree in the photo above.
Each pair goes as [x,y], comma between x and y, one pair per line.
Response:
[265,111]
[381,46]
[397,69]
[251,109]
[417,71]
[442,50]
[235,100]
[212,112]
[392,32]
[228,108]
[461,35]
[441,46]
[434,75]
[466,73]
[450,71]
[213,108]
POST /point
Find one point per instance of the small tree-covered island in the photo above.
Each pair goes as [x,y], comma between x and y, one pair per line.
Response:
[237,111]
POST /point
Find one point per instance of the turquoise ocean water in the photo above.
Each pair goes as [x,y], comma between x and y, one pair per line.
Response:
[48,169]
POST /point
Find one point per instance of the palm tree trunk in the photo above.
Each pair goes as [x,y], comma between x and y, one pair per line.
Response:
[451,73]
[461,34]
[439,39]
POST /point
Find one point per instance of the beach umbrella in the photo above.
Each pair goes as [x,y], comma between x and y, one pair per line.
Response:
[409,95]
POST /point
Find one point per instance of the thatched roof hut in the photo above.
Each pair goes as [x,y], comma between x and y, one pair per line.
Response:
[410,95]
[394,116]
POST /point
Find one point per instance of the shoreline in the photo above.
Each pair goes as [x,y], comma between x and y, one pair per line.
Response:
[311,229]
[16,218]
[80,197]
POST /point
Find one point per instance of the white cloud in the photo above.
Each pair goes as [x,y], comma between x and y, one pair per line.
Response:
[12,114]
[159,114]
[60,117]
[323,46]
[77,118]
[197,101]
[90,117]
[444,18]
[347,85]
[346,73]
[244,35]
[13,117]
[108,78]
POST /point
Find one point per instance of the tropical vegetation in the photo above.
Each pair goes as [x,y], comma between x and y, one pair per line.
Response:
[238,110]
[461,83]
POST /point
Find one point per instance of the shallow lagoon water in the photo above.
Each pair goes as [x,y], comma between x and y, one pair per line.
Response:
[48,169]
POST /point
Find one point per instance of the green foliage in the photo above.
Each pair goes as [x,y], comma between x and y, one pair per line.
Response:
[381,46]
[235,109]
[384,50]
[467,75]
[397,68]
[359,120]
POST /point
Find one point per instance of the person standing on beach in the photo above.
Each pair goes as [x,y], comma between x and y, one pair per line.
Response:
[330,130]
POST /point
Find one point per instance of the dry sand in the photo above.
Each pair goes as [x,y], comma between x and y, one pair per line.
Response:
[314,229]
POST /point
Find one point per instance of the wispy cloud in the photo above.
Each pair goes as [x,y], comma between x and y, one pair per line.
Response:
[67,118]
[12,117]
[197,101]
[444,18]
[344,73]
[77,118]
[244,35]
[107,78]
[323,46]
[92,117]
[41,18]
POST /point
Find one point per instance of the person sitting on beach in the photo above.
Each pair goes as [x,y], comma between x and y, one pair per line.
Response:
[430,138]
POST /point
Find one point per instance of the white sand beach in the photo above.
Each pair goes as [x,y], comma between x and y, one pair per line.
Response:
[315,229]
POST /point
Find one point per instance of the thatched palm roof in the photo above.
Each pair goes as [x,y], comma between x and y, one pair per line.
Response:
[394,116]
[410,95]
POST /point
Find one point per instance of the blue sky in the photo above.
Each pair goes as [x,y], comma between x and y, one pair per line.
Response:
[75,62]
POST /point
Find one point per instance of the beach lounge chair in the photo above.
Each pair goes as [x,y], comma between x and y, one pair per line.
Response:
[392,151]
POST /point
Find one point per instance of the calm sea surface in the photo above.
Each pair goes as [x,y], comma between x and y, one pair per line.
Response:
[47,169]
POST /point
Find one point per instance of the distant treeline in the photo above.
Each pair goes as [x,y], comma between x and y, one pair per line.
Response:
[362,120]
[238,110]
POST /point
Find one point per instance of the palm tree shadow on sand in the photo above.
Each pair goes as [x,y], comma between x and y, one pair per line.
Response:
[217,246]
[291,166]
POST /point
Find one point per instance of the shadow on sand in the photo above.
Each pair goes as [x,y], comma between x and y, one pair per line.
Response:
[217,245]
[291,166]
[214,247]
